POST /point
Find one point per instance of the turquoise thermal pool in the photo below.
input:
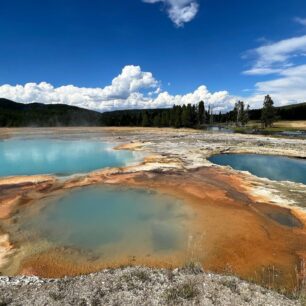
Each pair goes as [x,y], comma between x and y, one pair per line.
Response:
[59,156]
[110,221]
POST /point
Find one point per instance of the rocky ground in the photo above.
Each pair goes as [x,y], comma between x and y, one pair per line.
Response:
[138,286]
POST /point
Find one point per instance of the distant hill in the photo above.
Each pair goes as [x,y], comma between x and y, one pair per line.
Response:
[13,114]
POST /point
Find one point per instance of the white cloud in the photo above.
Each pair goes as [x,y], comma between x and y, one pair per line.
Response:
[290,87]
[277,55]
[132,88]
[179,11]
[280,58]
[219,101]
[261,71]
[300,20]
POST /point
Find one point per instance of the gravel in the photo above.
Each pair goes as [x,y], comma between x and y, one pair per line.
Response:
[138,286]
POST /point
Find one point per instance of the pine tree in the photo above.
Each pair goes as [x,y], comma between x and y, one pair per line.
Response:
[178,116]
[211,116]
[220,117]
[157,121]
[172,116]
[193,115]
[201,113]
[164,119]
[268,115]
[145,119]
[185,116]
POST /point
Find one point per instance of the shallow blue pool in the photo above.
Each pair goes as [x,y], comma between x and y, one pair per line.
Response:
[269,166]
[111,219]
[60,157]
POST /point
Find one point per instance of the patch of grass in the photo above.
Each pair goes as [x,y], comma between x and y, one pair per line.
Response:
[131,280]
[126,278]
[193,267]
[141,275]
[302,298]
[185,291]
[231,284]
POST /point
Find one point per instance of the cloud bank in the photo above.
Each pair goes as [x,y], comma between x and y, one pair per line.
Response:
[132,88]
[179,11]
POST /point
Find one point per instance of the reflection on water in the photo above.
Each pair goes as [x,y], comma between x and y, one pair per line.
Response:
[218,129]
[297,134]
[106,219]
[44,156]
[272,167]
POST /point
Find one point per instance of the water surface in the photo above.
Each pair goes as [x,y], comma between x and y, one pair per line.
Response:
[111,220]
[218,129]
[59,156]
[277,168]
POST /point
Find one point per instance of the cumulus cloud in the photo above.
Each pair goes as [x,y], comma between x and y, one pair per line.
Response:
[132,88]
[179,11]
[136,89]
[219,101]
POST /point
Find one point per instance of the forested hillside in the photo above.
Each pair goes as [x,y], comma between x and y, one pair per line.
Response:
[13,114]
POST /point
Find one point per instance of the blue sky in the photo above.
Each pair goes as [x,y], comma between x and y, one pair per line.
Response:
[118,54]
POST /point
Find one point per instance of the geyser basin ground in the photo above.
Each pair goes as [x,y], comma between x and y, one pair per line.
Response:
[242,224]
[279,168]
[59,156]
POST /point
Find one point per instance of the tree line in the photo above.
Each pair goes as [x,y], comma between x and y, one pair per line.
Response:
[13,114]
[178,116]
[189,116]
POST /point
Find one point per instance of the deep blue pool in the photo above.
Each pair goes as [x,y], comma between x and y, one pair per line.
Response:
[273,167]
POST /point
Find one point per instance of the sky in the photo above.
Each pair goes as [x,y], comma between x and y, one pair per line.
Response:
[122,54]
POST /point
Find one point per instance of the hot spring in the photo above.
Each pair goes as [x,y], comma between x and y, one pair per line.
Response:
[273,167]
[105,223]
[59,156]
